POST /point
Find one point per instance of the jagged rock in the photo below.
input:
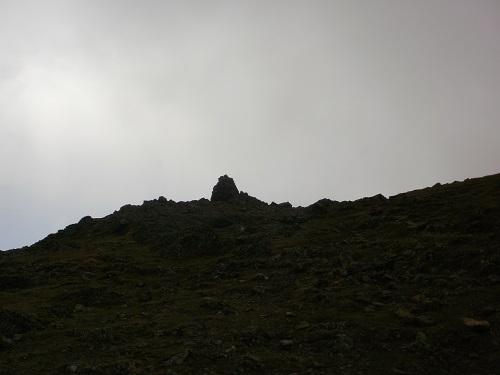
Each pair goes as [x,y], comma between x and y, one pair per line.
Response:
[321,206]
[86,220]
[224,190]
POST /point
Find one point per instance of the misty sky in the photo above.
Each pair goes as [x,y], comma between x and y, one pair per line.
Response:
[110,102]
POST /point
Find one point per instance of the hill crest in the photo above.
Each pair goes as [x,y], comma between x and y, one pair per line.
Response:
[405,284]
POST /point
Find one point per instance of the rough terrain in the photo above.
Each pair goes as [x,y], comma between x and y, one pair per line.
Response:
[403,285]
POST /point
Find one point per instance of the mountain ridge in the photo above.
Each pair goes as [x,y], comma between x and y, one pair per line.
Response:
[406,284]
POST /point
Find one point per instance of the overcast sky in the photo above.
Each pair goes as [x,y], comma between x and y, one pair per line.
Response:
[105,103]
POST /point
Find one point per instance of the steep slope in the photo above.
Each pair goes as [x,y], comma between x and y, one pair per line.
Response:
[405,285]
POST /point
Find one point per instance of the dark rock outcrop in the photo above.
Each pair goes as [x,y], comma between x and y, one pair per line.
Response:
[224,190]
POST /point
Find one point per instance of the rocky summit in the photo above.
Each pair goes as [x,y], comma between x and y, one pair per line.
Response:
[408,284]
[224,190]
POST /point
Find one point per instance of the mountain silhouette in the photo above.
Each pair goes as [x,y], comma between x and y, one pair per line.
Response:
[408,284]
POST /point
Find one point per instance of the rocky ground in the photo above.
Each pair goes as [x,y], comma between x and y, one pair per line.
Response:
[405,285]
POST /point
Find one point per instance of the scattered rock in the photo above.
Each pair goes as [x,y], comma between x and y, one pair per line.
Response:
[493,279]
[17,336]
[421,342]
[12,322]
[286,344]
[259,277]
[250,362]
[127,366]
[80,308]
[258,289]
[302,325]
[342,343]
[59,310]
[100,335]
[202,240]
[95,296]
[476,325]
[211,303]
[254,250]
[400,372]
[5,343]
[145,297]
[425,320]
[178,359]
[405,314]
[73,368]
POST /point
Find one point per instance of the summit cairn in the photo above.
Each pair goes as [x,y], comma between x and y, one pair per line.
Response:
[224,190]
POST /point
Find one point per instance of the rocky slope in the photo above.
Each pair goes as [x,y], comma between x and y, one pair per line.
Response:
[405,285]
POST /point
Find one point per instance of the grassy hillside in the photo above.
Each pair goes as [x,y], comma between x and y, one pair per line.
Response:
[405,285]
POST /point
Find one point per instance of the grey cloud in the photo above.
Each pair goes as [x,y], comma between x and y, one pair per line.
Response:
[104,103]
